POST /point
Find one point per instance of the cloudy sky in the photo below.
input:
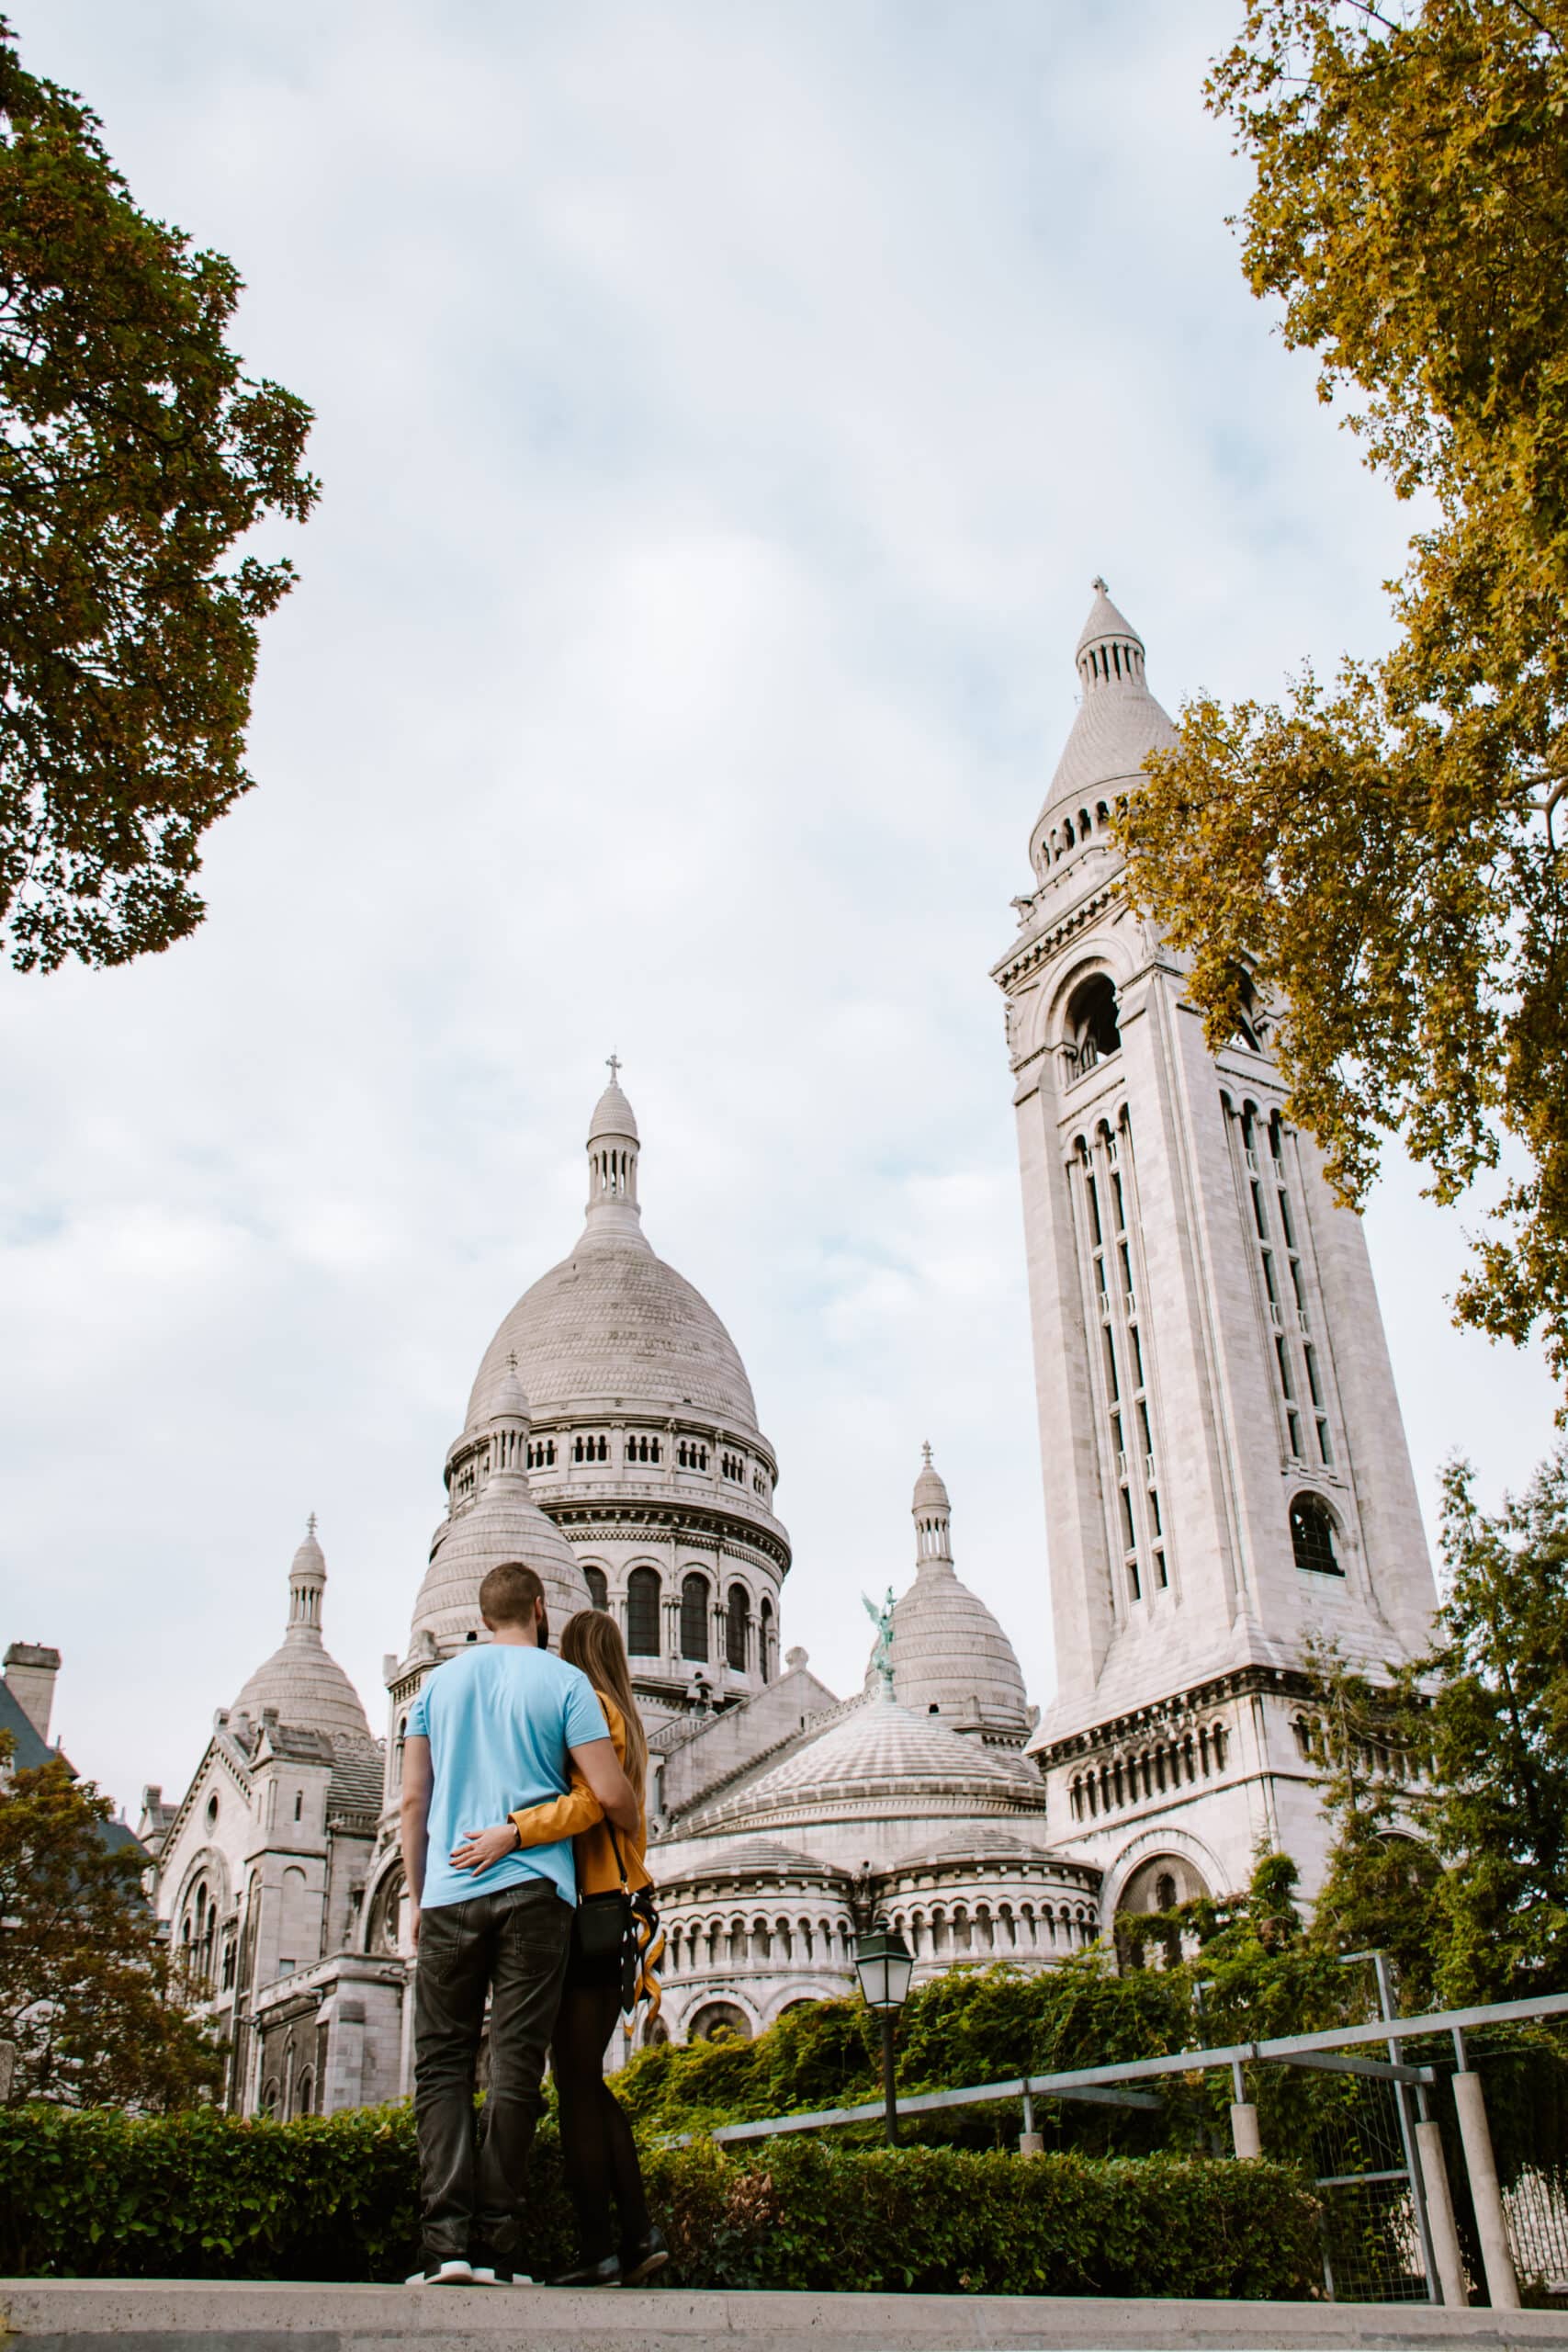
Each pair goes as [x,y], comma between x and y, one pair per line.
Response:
[721,411]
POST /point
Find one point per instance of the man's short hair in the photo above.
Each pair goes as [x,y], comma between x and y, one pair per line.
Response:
[509,1595]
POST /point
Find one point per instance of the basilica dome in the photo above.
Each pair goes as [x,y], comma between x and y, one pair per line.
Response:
[613,1324]
[949,1655]
[866,1786]
[302,1683]
[502,1523]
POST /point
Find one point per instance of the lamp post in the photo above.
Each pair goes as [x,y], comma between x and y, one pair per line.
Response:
[884,1965]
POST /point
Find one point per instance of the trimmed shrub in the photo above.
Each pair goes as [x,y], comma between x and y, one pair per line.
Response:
[203,2194]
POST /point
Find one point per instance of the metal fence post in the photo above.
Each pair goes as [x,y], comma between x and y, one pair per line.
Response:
[1030,2142]
[1491,2221]
[1440,2209]
[1246,2138]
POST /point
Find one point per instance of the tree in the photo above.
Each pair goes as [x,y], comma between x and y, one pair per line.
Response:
[1445,1786]
[1378,1889]
[1495,1799]
[1384,857]
[88,1994]
[133,456]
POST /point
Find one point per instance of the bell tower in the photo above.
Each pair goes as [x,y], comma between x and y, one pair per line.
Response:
[1225,1469]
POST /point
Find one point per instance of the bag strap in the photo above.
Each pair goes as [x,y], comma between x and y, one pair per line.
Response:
[615,1848]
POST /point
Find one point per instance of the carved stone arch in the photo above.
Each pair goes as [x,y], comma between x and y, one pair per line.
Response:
[380,1913]
[1107,956]
[1159,1838]
[207,1862]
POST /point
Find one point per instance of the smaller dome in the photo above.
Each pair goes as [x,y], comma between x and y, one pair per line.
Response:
[690,1857]
[1104,623]
[949,1655]
[509,1402]
[931,1490]
[985,1843]
[612,1115]
[880,1748]
[301,1681]
[1119,722]
[309,1560]
[503,1523]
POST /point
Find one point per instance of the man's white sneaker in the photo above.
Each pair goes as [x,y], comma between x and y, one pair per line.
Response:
[451,2270]
[496,2273]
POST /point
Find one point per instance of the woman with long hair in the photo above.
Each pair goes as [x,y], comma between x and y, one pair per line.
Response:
[598,2152]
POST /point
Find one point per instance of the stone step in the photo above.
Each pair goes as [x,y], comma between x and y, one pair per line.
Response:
[201,2315]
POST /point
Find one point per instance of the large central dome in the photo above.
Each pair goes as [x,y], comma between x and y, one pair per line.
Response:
[614,1324]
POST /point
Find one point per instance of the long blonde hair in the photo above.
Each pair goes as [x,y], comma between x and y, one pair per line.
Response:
[592,1640]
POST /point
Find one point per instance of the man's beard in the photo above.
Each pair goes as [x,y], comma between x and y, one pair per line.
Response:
[544,1627]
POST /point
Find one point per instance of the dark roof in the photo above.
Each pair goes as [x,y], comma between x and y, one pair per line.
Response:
[358,1776]
[31,1751]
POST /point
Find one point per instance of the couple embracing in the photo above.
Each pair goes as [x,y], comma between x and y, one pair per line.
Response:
[522,1840]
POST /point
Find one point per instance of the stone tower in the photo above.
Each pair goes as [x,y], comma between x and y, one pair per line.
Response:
[1224,1463]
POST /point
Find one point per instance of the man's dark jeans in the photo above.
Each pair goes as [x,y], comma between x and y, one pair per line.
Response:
[514,1945]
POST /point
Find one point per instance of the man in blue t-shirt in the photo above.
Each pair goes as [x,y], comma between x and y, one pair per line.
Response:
[493,1729]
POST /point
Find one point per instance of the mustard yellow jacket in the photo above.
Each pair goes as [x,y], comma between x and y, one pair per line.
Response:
[578,1815]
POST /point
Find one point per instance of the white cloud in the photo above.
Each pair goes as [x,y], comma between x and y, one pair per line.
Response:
[721,413]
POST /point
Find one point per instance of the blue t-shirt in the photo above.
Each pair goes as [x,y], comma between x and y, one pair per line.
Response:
[500,1717]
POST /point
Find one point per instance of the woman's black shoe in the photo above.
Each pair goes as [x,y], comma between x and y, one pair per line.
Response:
[606,2273]
[641,2261]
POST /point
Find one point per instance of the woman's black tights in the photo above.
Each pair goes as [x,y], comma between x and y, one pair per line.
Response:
[598,2152]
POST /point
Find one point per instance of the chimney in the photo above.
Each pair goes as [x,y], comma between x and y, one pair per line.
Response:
[30,1669]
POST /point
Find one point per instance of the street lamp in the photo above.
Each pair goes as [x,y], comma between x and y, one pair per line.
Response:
[884,1965]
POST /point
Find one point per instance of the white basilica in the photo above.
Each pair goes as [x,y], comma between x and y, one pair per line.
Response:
[1225,1477]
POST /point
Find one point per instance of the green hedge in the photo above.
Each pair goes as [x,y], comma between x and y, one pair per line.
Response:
[202,2195]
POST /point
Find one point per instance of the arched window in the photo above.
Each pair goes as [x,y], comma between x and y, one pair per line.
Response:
[1092,1029]
[765,1661]
[302,2092]
[737,1627]
[1312,1536]
[718,2021]
[1164,1891]
[598,1588]
[695,1616]
[642,1612]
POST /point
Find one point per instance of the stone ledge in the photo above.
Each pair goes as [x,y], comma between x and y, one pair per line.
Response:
[199,2315]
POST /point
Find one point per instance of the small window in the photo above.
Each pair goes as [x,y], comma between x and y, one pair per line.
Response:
[695,1616]
[212,1812]
[1312,1536]
[737,1628]
[298,1804]
[598,1586]
[642,1612]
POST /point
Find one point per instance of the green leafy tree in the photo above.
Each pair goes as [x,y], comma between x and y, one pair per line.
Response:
[1379,1887]
[1384,856]
[88,1992]
[134,455]
[1495,1801]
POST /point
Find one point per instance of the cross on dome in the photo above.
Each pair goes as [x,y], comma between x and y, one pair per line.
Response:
[613,1064]
[310,1525]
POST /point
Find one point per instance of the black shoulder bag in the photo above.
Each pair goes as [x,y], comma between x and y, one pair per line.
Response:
[607,1927]
[604,1921]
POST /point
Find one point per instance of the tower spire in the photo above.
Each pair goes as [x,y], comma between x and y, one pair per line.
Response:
[932,1514]
[307,1582]
[613,1151]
